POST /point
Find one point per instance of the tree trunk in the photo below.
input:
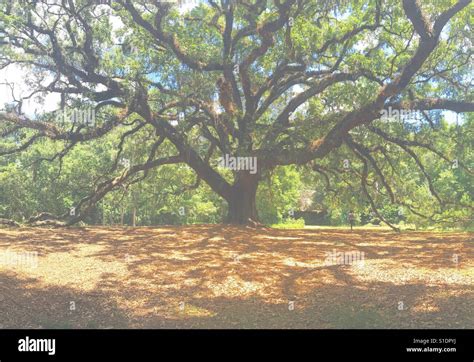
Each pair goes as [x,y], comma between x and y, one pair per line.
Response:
[242,202]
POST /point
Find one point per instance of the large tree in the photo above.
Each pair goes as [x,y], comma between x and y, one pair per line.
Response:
[287,82]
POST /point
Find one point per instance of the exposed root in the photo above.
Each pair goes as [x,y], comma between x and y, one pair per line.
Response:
[8,222]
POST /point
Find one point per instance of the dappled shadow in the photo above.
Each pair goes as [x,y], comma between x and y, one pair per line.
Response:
[215,276]
[26,303]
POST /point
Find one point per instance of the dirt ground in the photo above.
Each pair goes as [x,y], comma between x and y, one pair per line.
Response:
[214,276]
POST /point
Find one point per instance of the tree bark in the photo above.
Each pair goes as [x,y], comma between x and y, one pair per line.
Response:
[242,201]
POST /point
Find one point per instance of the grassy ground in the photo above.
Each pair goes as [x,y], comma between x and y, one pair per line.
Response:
[213,276]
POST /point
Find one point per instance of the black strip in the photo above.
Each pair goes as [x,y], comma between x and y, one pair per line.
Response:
[331,345]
